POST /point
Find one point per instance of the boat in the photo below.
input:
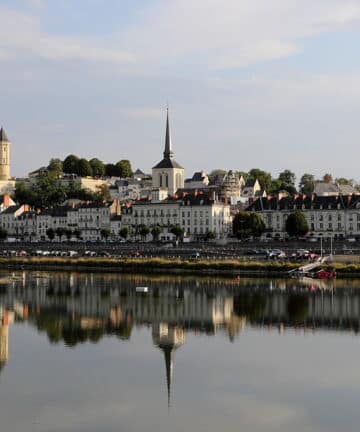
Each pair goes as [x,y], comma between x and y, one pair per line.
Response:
[326,273]
[142,289]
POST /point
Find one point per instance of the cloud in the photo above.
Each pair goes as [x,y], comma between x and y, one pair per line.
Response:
[21,36]
[230,34]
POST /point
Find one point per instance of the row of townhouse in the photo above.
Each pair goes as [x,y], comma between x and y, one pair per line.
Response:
[327,216]
[89,219]
[196,214]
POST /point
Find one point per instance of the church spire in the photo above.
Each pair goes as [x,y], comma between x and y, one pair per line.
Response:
[3,136]
[168,153]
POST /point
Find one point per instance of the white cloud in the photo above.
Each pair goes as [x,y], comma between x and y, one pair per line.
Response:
[21,35]
[233,33]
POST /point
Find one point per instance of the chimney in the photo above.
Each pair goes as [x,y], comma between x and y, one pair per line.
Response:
[6,200]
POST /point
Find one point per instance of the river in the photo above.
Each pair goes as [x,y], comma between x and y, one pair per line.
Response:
[86,352]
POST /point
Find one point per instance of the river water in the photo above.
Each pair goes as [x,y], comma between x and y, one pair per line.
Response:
[85,352]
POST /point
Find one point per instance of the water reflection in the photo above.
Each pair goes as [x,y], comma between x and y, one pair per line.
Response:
[73,308]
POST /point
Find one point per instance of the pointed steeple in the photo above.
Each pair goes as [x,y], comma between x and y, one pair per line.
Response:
[3,136]
[168,153]
[169,369]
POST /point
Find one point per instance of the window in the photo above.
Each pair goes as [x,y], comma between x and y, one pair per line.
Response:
[160,180]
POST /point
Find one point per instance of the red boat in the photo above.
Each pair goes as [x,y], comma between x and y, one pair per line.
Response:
[325,274]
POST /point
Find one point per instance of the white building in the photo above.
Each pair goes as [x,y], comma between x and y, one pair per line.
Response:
[327,216]
[168,173]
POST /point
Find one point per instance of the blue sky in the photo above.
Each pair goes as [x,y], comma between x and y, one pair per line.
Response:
[250,84]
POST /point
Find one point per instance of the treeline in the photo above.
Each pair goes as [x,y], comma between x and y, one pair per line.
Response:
[47,192]
[82,167]
[286,181]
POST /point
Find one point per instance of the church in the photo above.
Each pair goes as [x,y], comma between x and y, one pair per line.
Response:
[168,174]
[7,185]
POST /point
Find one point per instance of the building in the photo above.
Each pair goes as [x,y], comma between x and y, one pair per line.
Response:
[333,189]
[196,214]
[7,185]
[327,216]
[199,180]
[168,173]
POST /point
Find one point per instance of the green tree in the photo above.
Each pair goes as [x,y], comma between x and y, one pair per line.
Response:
[327,178]
[287,177]
[296,224]
[263,177]
[124,232]
[70,164]
[210,235]
[144,232]
[112,170]
[344,181]
[60,232]
[50,233]
[216,173]
[155,232]
[24,195]
[55,166]
[84,168]
[248,224]
[105,232]
[177,231]
[98,168]
[124,167]
[3,233]
[77,233]
[48,192]
[307,183]
[68,233]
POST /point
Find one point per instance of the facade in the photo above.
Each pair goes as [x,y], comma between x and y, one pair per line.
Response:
[4,156]
[197,214]
[327,216]
[168,173]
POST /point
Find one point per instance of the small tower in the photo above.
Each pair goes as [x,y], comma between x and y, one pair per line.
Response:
[168,174]
[4,156]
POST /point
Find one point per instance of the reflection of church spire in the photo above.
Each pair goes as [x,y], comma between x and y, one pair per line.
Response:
[168,339]
[4,345]
[169,368]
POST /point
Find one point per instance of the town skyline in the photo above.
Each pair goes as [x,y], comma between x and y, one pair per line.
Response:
[241,87]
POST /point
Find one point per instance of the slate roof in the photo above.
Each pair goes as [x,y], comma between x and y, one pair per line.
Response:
[306,202]
[168,163]
[3,136]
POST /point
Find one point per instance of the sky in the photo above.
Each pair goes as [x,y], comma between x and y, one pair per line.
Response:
[250,83]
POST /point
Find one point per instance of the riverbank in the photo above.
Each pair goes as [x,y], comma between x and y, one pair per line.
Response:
[162,265]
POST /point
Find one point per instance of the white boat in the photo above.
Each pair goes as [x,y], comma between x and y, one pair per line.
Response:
[142,289]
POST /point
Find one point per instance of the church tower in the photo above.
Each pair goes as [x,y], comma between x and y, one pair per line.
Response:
[4,156]
[168,173]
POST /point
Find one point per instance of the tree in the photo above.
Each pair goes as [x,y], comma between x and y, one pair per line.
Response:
[263,177]
[60,232]
[68,232]
[177,231]
[296,224]
[216,173]
[55,166]
[144,232]
[47,192]
[103,194]
[246,224]
[210,235]
[124,167]
[70,164]
[306,185]
[23,194]
[124,232]
[3,233]
[327,178]
[84,168]
[77,233]
[287,177]
[50,233]
[105,232]
[344,181]
[98,168]
[155,232]
[112,170]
